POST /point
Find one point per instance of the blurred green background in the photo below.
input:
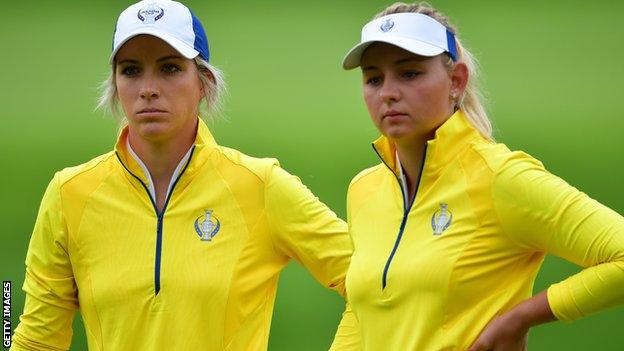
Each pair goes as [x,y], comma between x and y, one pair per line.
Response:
[552,71]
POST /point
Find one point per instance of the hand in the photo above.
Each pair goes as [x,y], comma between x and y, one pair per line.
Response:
[504,333]
[509,331]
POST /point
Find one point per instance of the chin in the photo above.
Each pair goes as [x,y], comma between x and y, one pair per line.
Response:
[154,132]
[397,132]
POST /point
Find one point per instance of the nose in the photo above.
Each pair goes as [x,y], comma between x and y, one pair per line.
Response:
[149,87]
[389,91]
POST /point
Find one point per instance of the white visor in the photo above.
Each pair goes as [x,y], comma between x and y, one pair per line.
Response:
[414,32]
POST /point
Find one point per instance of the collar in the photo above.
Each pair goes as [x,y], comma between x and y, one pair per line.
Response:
[402,178]
[204,141]
[450,139]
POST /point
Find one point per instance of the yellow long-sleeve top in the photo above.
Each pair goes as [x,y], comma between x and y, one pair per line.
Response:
[431,276]
[200,275]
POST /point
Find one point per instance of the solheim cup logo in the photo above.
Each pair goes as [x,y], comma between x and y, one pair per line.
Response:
[207,226]
[441,219]
[387,25]
[150,14]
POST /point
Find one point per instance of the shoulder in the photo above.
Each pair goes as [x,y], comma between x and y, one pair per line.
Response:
[86,171]
[366,182]
[73,183]
[236,161]
[368,175]
[520,180]
[499,158]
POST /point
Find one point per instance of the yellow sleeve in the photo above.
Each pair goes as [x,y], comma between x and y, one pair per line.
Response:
[543,213]
[305,229]
[51,293]
[348,337]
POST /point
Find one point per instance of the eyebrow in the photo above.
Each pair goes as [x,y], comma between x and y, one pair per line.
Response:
[127,61]
[400,62]
[164,58]
[170,57]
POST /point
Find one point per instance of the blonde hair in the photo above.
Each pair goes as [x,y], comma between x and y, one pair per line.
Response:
[211,78]
[470,101]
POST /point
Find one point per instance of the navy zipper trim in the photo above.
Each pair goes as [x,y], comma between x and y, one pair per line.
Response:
[140,181]
[160,216]
[159,227]
[406,210]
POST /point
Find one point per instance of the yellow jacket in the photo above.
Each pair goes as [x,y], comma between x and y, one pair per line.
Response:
[431,277]
[201,276]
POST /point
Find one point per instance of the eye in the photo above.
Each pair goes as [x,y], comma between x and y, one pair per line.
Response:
[130,71]
[411,74]
[171,68]
[373,81]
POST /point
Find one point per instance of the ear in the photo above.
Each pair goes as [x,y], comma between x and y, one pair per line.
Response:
[207,74]
[459,79]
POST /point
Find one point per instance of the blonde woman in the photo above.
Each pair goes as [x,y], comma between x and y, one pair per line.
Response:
[451,228]
[170,241]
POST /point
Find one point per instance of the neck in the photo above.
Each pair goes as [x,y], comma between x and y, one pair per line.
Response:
[161,160]
[163,156]
[411,155]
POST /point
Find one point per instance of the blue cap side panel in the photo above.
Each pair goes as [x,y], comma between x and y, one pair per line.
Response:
[201,42]
[452,46]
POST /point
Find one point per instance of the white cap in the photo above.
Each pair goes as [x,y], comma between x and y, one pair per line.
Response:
[168,20]
[414,32]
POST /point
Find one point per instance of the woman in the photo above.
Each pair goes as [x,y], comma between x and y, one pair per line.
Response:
[170,241]
[450,229]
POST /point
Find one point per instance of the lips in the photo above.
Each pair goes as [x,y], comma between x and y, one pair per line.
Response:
[392,113]
[151,112]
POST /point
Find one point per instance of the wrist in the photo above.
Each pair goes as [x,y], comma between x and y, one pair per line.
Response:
[520,317]
[532,312]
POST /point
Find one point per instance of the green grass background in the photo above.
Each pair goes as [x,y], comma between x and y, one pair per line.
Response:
[552,71]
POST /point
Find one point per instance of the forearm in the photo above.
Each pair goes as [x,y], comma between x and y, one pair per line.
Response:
[532,312]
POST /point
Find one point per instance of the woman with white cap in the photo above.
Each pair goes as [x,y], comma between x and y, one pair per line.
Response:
[170,241]
[450,229]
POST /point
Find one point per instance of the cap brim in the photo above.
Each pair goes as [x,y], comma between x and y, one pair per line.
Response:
[177,44]
[353,57]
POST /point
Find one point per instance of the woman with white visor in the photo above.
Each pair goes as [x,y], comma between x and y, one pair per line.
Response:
[170,241]
[450,229]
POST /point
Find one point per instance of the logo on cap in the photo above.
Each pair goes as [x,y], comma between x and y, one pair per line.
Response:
[150,14]
[387,25]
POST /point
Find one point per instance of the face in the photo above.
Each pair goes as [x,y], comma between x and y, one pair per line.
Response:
[409,96]
[159,89]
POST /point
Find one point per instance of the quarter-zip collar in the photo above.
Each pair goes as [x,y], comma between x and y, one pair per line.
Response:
[204,141]
[150,182]
[450,139]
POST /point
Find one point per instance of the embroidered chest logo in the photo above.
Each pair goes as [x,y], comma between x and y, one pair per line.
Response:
[207,226]
[150,14]
[441,219]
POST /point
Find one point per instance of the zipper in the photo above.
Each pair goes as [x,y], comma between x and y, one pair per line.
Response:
[406,210]
[159,216]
